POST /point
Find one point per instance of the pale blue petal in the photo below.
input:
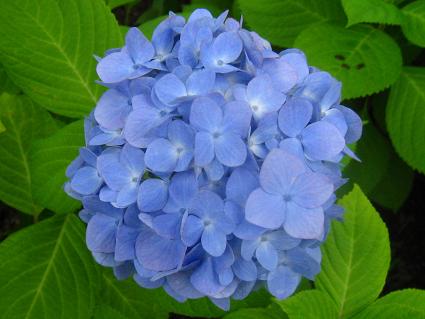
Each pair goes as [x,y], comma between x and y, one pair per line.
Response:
[245,270]
[157,253]
[86,181]
[205,280]
[230,150]
[303,263]
[167,225]
[133,159]
[181,134]
[304,223]
[263,97]
[183,188]
[112,109]
[115,67]
[206,114]
[204,149]
[152,196]
[200,82]
[125,242]
[169,89]
[227,47]
[282,282]
[180,282]
[265,210]
[354,123]
[138,46]
[100,234]
[279,171]
[214,170]
[311,190]
[283,75]
[240,184]
[116,175]
[161,156]
[294,116]
[267,255]
[237,118]
[192,228]
[127,195]
[322,141]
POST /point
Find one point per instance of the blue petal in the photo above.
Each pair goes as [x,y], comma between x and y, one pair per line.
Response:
[237,118]
[86,181]
[206,114]
[127,195]
[303,263]
[248,231]
[100,235]
[311,190]
[267,255]
[245,270]
[204,149]
[322,141]
[116,176]
[265,210]
[183,188]
[207,204]
[115,67]
[169,89]
[263,97]
[354,123]
[336,118]
[230,150]
[282,282]
[124,270]
[304,223]
[167,225]
[139,47]
[240,184]
[125,242]
[204,278]
[161,156]
[152,195]
[283,75]
[157,253]
[214,170]
[214,241]
[133,159]
[297,60]
[112,109]
[192,229]
[227,47]
[147,282]
[200,82]
[180,282]
[279,171]
[294,116]
[179,133]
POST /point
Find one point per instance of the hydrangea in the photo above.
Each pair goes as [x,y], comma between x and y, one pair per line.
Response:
[211,162]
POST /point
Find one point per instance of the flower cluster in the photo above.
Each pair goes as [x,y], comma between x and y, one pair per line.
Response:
[211,161]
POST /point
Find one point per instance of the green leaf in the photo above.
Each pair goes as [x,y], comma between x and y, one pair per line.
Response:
[47,48]
[2,128]
[6,85]
[24,122]
[371,11]
[374,151]
[118,3]
[280,21]
[414,22]
[132,301]
[406,116]
[356,256]
[49,158]
[47,272]
[393,189]
[402,304]
[256,313]
[365,59]
[106,312]
[312,304]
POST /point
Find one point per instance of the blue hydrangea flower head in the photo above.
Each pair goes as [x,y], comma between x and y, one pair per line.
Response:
[211,162]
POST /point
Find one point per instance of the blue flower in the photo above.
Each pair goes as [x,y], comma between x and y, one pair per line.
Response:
[220,131]
[211,161]
[290,196]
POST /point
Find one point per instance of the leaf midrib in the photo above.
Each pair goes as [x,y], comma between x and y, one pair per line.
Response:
[65,55]
[49,266]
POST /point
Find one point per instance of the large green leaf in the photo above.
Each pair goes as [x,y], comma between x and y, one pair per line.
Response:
[49,158]
[402,304]
[47,48]
[280,21]
[47,272]
[6,84]
[374,151]
[256,313]
[130,300]
[414,22]
[406,116]
[365,59]
[394,187]
[107,312]
[372,11]
[24,121]
[356,256]
[311,304]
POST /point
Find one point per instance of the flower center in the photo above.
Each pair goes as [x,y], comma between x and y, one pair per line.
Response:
[220,62]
